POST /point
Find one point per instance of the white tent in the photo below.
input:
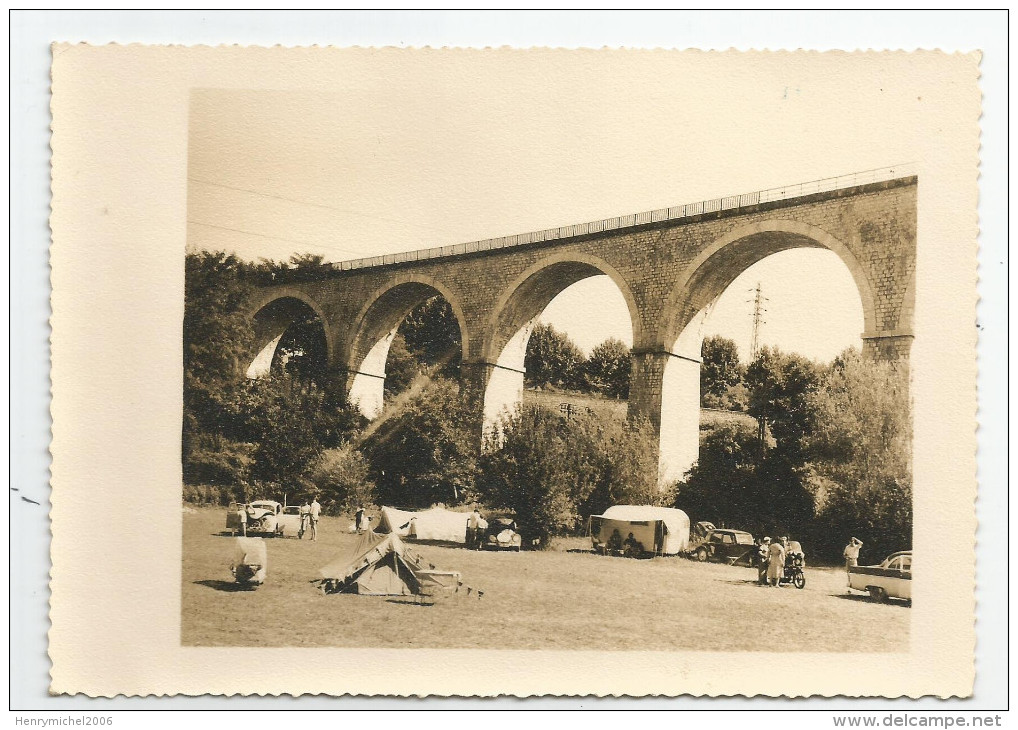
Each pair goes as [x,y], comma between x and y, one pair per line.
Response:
[629,518]
[431,524]
[250,560]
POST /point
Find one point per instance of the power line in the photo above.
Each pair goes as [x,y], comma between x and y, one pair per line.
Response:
[273,238]
[344,211]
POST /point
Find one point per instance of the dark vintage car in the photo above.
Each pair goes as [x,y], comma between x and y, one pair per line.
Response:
[734,547]
[501,534]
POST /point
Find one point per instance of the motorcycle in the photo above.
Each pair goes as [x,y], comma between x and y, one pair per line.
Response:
[793,570]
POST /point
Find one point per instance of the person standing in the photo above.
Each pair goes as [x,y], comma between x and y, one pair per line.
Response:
[473,527]
[761,561]
[314,513]
[775,563]
[358,520]
[851,553]
[305,516]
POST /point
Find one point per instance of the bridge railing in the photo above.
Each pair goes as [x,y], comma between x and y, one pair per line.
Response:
[730,202]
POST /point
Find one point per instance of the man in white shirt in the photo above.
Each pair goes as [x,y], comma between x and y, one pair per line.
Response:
[852,553]
[314,514]
[473,523]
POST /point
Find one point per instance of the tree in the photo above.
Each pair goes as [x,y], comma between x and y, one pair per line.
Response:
[607,370]
[217,337]
[236,430]
[217,333]
[432,335]
[342,479]
[532,473]
[619,460]
[401,367]
[729,486]
[303,351]
[779,385]
[299,267]
[720,370]
[552,359]
[553,472]
[426,452]
[283,420]
[860,454]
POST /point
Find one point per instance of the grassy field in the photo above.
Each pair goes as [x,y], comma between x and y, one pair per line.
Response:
[558,599]
[617,408]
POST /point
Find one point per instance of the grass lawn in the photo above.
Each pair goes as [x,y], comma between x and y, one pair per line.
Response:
[606,407]
[532,600]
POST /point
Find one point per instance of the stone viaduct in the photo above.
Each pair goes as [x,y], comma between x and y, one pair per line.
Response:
[670,266]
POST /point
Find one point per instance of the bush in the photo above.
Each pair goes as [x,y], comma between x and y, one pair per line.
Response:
[860,456]
[532,473]
[729,486]
[621,464]
[552,472]
[210,494]
[426,452]
[213,460]
[342,481]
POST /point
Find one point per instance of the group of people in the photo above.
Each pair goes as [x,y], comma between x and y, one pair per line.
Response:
[309,515]
[476,525]
[773,555]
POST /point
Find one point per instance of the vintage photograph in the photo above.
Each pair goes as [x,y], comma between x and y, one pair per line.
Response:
[614,433]
[518,372]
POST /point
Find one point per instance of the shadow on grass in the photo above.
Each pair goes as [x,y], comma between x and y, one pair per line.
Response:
[228,586]
[411,602]
[866,599]
[756,584]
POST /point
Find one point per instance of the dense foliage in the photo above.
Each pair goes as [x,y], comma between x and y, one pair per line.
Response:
[721,375]
[342,479]
[425,452]
[860,454]
[829,458]
[553,472]
[552,359]
[607,370]
[249,436]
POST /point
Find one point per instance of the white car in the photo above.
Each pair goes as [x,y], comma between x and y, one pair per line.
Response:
[891,579]
[266,517]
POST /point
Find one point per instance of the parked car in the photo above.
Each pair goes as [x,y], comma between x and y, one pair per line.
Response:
[891,579]
[289,521]
[501,534]
[263,516]
[734,547]
[698,532]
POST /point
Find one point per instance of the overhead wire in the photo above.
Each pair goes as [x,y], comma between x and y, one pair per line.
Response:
[344,211]
[276,238]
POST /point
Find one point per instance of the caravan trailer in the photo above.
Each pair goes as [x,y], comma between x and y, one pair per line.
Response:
[636,530]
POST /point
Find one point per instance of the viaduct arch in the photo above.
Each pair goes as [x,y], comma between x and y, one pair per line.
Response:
[669,264]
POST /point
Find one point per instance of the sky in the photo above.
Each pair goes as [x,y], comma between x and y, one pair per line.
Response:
[414,151]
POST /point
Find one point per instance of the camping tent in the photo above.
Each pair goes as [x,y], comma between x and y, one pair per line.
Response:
[382,565]
[661,530]
[432,524]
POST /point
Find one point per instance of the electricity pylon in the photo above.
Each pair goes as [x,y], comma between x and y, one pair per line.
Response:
[758,313]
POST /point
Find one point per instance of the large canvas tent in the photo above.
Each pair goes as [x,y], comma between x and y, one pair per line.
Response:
[660,530]
[432,524]
[382,565]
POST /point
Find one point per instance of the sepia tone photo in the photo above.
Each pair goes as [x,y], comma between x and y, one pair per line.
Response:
[519,352]
[532,440]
